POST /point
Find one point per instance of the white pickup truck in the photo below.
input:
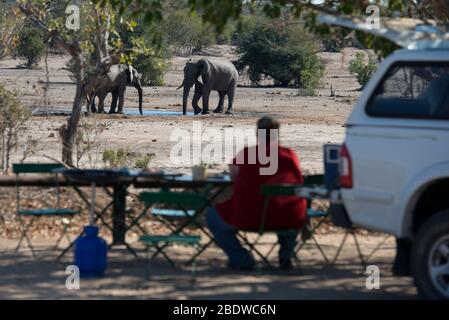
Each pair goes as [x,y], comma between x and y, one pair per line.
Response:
[394,164]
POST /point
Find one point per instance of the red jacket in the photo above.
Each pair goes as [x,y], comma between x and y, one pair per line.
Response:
[244,209]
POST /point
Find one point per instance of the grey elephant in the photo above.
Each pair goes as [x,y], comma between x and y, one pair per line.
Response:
[115,81]
[221,76]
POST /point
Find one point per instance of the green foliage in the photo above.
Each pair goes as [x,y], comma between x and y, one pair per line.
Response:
[115,158]
[142,162]
[220,12]
[185,33]
[30,45]
[10,25]
[13,116]
[361,69]
[148,56]
[285,53]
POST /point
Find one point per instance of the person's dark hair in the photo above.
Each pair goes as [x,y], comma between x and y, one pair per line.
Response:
[267,123]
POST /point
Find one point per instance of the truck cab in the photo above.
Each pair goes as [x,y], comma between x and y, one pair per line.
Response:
[394,163]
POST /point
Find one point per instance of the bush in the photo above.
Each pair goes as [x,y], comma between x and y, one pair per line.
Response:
[286,54]
[115,158]
[361,69]
[185,33]
[13,116]
[30,45]
[152,68]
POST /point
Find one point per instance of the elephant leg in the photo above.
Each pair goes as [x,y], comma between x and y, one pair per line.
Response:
[231,93]
[121,100]
[101,98]
[219,108]
[91,104]
[114,102]
[206,95]
[196,98]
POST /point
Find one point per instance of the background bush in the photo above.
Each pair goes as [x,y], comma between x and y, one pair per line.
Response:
[361,69]
[30,45]
[283,52]
[185,32]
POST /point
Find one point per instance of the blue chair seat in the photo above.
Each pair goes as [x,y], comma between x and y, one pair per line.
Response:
[184,239]
[316,213]
[172,212]
[48,212]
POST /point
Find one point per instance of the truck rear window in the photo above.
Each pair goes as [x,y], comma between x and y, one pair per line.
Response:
[412,90]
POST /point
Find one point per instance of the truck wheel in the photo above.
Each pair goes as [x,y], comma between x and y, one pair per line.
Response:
[430,257]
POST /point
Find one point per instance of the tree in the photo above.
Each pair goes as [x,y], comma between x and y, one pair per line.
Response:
[219,12]
[285,52]
[13,116]
[10,25]
[93,50]
[30,45]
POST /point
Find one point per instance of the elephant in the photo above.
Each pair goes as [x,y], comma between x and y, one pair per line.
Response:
[115,81]
[221,76]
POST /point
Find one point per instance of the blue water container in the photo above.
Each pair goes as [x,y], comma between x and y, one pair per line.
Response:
[331,166]
[91,253]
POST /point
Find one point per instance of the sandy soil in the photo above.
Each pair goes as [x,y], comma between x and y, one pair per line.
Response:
[307,123]
[125,277]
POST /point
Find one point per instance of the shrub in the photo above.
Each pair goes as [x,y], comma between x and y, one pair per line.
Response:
[361,69]
[13,116]
[115,158]
[152,68]
[30,45]
[142,162]
[186,33]
[286,54]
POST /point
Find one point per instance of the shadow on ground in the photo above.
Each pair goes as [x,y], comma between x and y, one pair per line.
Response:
[25,277]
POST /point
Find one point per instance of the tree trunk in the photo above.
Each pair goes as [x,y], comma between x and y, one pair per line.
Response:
[68,132]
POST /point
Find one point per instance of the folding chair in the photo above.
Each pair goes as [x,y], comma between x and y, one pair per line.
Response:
[268,191]
[309,229]
[33,214]
[322,216]
[182,206]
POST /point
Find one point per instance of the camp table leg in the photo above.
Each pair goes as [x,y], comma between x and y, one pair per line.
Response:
[119,214]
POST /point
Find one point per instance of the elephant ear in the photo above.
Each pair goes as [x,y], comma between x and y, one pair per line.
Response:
[203,68]
[130,72]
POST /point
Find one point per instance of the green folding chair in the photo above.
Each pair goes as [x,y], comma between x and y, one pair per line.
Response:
[33,214]
[315,218]
[306,232]
[182,205]
[267,191]
[321,216]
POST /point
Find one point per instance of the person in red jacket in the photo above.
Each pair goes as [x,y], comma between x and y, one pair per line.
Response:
[243,211]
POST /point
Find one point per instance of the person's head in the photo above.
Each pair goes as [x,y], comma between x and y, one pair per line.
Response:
[267,124]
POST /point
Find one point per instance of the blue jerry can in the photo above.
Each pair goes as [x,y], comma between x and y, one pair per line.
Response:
[331,166]
[91,253]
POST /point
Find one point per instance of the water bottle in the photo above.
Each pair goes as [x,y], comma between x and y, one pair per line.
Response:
[91,253]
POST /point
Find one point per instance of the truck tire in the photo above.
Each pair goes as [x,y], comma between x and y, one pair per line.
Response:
[430,257]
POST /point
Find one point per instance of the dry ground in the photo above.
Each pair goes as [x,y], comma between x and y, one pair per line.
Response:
[307,123]
[22,276]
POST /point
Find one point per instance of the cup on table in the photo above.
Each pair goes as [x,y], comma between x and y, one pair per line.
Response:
[199,173]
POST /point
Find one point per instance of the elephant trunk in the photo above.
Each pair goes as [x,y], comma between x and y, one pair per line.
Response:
[139,91]
[185,96]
